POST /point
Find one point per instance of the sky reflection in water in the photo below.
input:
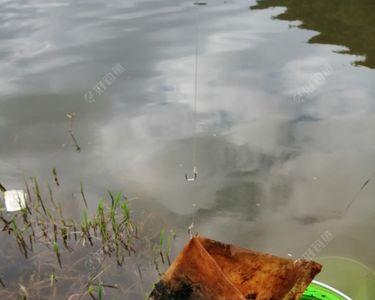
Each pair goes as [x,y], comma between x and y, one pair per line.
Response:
[273,173]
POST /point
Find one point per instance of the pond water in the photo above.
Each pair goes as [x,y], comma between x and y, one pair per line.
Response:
[285,114]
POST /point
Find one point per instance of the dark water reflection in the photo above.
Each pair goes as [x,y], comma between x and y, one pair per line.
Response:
[274,173]
[343,23]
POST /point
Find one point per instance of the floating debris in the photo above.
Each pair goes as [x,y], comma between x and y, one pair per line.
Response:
[71,117]
[15,200]
[54,173]
[78,148]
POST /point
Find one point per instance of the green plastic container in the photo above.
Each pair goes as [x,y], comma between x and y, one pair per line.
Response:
[349,276]
[321,291]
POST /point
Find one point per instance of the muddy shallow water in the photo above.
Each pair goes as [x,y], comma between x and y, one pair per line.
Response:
[285,119]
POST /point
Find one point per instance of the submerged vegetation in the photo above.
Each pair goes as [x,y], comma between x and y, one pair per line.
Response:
[74,258]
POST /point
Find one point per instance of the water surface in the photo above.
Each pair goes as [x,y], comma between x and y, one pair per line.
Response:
[285,113]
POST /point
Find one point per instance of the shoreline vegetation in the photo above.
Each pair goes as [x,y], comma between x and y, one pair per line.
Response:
[48,254]
[337,22]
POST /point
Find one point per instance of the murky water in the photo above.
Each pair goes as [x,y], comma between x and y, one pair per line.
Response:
[285,113]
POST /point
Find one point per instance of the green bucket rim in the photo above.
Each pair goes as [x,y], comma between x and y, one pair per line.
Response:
[318,290]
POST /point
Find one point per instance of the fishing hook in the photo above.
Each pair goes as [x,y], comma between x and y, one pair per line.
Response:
[194,177]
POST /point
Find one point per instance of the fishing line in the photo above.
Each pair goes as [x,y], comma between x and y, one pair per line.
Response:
[359,192]
[194,158]
[196,62]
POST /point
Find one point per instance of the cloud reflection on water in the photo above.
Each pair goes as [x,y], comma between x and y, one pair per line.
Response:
[254,146]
